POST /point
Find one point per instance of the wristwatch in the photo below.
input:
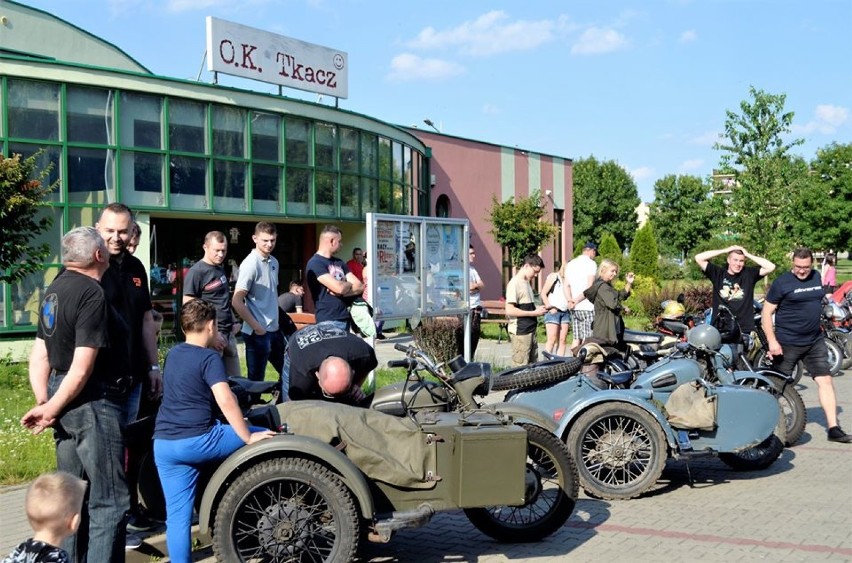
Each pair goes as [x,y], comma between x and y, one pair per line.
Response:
[154,367]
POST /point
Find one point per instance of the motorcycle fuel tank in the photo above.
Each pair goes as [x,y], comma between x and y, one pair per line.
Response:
[666,375]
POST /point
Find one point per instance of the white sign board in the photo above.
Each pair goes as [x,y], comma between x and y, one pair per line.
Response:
[417,265]
[247,52]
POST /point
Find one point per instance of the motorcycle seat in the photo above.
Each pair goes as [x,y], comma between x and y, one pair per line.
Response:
[253,387]
[637,337]
[616,379]
[676,327]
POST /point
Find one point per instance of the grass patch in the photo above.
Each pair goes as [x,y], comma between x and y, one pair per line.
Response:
[25,456]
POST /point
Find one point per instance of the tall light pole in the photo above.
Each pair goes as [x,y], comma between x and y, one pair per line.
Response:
[431,124]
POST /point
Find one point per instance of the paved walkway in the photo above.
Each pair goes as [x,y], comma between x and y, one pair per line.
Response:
[800,509]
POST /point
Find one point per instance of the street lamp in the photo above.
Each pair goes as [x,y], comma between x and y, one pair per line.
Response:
[431,124]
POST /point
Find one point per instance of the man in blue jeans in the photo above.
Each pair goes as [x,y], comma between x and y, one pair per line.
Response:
[256,302]
[79,372]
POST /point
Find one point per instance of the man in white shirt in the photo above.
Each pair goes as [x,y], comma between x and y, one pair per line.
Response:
[579,275]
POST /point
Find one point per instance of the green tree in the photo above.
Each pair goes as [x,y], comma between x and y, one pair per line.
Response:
[22,194]
[682,213]
[644,254]
[608,248]
[605,199]
[520,225]
[823,218]
[755,151]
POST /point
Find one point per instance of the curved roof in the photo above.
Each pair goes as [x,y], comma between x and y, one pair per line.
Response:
[28,31]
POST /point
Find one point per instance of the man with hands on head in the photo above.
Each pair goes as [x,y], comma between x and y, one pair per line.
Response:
[733,285]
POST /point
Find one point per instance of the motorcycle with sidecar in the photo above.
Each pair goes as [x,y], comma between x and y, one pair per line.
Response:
[621,438]
[336,474]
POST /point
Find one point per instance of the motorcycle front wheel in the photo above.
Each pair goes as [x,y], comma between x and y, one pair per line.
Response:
[551,493]
[620,450]
[286,509]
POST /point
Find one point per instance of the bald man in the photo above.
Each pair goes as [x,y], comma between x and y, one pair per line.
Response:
[325,362]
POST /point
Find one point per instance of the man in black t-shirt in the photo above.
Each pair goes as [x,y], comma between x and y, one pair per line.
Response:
[795,299]
[206,280]
[326,362]
[333,287]
[80,395]
[125,285]
[733,286]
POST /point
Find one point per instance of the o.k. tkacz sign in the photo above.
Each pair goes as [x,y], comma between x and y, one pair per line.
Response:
[252,53]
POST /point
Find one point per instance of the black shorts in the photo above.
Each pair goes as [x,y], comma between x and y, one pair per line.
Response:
[814,356]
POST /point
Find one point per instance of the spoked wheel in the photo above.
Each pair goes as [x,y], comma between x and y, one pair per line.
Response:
[551,492]
[620,450]
[286,510]
[765,363]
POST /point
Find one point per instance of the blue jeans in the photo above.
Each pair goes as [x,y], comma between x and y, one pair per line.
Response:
[285,378]
[260,350]
[179,463]
[89,444]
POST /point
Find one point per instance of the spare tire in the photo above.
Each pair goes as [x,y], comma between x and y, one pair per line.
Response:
[536,375]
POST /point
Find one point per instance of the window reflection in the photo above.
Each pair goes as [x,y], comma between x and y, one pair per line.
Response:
[187,126]
[89,115]
[33,110]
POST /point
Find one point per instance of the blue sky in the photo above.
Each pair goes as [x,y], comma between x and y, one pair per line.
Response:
[645,83]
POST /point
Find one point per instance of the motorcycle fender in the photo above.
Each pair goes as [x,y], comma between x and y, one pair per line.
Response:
[288,445]
[639,399]
[523,413]
[774,378]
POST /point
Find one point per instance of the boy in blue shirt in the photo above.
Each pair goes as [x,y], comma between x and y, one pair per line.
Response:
[187,434]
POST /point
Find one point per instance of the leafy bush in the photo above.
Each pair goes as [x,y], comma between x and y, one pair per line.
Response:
[698,297]
[437,337]
[642,285]
[671,270]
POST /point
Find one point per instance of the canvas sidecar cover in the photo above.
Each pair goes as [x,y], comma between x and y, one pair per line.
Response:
[386,448]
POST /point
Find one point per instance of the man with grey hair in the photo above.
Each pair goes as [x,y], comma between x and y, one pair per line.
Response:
[79,376]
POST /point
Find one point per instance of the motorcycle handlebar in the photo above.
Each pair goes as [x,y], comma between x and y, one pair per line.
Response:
[400,347]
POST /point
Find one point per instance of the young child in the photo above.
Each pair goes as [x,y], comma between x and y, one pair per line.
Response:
[53,504]
[187,434]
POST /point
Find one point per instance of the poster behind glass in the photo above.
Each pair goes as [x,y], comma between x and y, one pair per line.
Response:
[444,275]
[397,268]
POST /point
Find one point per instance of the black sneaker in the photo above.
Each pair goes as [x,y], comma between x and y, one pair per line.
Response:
[132,542]
[836,434]
[381,336]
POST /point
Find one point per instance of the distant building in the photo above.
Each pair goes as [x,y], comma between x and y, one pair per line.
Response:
[642,212]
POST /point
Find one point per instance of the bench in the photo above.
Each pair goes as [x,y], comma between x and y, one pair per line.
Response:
[496,314]
[301,320]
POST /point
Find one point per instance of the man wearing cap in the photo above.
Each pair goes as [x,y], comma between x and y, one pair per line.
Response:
[580,275]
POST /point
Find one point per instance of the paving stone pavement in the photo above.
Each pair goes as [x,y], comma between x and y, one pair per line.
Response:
[799,509]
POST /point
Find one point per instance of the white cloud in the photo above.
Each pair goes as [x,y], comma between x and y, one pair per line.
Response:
[490,34]
[706,139]
[407,66]
[691,164]
[597,40]
[188,5]
[642,173]
[827,118]
[490,109]
[688,36]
